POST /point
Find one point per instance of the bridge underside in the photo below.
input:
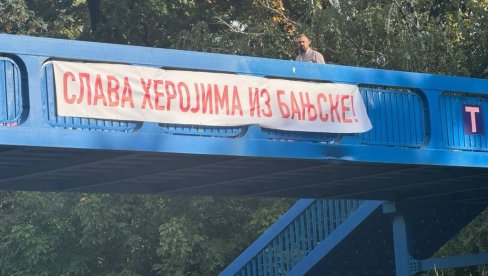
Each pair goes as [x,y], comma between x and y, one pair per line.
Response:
[73,170]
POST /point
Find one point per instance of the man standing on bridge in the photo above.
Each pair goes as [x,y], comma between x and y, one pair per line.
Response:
[307,54]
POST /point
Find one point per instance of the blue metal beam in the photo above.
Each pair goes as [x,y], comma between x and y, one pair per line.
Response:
[453,262]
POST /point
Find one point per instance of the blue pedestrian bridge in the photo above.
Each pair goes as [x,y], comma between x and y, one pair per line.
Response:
[373,202]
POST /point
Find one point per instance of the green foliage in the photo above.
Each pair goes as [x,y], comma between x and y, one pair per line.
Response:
[383,34]
[17,18]
[422,36]
[53,18]
[446,37]
[179,240]
[32,227]
[98,234]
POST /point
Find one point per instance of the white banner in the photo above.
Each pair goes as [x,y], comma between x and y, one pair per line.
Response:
[135,93]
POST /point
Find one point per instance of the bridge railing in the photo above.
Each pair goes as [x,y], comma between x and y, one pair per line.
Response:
[416,118]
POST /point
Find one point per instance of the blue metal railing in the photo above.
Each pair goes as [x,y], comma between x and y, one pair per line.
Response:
[293,237]
[10,93]
[417,118]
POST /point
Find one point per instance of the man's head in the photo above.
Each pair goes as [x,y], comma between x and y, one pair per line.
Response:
[303,42]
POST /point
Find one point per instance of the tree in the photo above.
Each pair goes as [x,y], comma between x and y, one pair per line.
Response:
[99,234]
[420,36]
[17,18]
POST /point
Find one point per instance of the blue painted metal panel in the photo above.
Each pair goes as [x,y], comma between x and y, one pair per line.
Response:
[11,101]
[451,121]
[398,117]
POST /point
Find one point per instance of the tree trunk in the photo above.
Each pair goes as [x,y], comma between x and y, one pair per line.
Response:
[95,14]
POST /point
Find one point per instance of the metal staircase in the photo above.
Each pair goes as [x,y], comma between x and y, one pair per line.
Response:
[302,237]
[354,237]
